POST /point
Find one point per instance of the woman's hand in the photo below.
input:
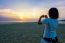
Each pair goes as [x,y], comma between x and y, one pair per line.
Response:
[39,22]
[46,16]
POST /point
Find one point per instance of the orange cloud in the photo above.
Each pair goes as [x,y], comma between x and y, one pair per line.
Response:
[9,15]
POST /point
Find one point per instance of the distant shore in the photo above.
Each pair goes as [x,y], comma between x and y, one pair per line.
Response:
[11,22]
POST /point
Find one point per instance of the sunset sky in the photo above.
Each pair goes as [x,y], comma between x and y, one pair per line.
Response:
[29,10]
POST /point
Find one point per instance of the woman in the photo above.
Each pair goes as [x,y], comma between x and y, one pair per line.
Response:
[51,25]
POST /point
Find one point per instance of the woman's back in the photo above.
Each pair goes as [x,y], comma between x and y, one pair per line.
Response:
[50,30]
[53,24]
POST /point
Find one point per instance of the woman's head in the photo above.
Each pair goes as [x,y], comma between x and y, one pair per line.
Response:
[53,13]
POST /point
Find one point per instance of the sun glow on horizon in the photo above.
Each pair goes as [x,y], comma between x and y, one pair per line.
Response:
[24,15]
[31,14]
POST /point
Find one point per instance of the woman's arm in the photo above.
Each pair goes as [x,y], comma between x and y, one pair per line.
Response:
[39,22]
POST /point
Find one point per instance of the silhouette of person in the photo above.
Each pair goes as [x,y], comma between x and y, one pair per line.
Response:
[51,24]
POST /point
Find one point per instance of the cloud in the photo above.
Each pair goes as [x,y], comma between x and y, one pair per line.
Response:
[30,9]
[8,15]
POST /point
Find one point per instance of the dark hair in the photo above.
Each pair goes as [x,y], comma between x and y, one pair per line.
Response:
[53,13]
